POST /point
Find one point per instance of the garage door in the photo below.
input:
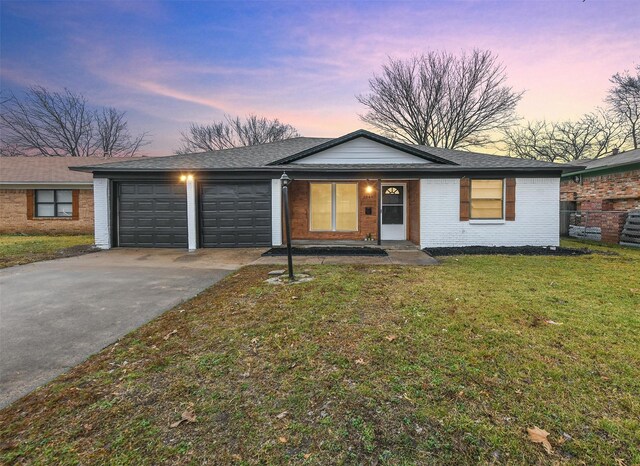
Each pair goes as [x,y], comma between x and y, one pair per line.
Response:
[152,215]
[235,215]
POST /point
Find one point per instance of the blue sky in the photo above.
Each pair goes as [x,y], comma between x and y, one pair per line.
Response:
[169,63]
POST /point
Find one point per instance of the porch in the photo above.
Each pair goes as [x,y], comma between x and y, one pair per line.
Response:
[356,212]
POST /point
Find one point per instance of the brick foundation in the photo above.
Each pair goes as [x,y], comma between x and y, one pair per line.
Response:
[13,215]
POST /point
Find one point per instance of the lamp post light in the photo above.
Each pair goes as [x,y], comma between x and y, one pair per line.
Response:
[285,194]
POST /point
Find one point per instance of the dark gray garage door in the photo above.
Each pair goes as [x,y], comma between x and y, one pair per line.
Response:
[152,215]
[235,214]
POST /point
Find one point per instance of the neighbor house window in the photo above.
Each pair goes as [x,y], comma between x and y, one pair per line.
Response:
[54,203]
[334,206]
[486,199]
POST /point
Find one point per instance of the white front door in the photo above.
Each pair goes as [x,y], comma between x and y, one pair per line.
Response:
[394,212]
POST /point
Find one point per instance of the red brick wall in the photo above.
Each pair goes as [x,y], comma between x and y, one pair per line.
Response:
[299,204]
[620,190]
[13,215]
[413,210]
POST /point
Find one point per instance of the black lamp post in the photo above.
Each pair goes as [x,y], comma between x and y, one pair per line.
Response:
[285,194]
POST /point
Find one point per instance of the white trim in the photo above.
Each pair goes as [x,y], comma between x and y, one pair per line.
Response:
[276,212]
[404,207]
[43,185]
[102,212]
[191,214]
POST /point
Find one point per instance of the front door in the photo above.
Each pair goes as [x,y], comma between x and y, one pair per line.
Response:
[393,212]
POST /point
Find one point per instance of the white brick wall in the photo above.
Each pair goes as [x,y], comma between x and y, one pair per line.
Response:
[536,223]
[276,212]
[102,213]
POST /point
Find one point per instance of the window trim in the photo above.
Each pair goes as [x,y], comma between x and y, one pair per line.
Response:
[502,204]
[54,203]
[333,206]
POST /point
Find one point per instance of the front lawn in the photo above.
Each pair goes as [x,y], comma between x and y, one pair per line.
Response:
[447,364]
[22,249]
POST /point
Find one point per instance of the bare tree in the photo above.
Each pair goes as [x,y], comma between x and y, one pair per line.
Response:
[592,136]
[62,124]
[234,132]
[441,100]
[624,100]
[113,137]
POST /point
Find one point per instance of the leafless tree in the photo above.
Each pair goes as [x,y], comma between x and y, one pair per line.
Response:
[624,100]
[441,100]
[592,136]
[113,136]
[234,132]
[51,124]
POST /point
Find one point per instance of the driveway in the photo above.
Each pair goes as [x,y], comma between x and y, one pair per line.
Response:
[55,314]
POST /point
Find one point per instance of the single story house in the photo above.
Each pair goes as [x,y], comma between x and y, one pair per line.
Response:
[355,187]
[41,195]
[601,192]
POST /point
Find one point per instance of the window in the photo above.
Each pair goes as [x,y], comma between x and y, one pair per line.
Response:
[486,199]
[334,207]
[54,203]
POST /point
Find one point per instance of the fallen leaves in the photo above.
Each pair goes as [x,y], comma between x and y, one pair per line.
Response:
[187,416]
[282,439]
[168,335]
[390,338]
[282,415]
[538,435]
[552,322]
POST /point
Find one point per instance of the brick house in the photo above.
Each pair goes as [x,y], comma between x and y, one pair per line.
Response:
[356,187]
[41,195]
[602,192]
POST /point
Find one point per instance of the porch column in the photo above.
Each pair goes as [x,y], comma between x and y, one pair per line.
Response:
[276,212]
[102,213]
[191,213]
[423,212]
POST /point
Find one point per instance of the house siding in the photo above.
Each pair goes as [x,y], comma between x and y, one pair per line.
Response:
[14,217]
[536,223]
[361,151]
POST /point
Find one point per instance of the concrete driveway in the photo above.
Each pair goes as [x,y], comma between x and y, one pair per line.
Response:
[55,314]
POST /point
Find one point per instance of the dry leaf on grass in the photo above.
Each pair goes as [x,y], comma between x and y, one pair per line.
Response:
[168,335]
[282,439]
[187,416]
[552,322]
[538,435]
[390,337]
[360,361]
[282,414]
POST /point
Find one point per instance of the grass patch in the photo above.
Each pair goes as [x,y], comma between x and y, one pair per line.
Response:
[389,365]
[23,249]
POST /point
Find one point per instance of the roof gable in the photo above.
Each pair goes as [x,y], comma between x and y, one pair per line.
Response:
[362,147]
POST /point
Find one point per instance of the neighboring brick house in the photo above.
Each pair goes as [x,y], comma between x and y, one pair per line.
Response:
[41,195]
[602,191]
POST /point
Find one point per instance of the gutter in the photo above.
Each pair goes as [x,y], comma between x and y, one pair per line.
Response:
[604,170]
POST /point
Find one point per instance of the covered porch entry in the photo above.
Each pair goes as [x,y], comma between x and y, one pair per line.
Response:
[358,211]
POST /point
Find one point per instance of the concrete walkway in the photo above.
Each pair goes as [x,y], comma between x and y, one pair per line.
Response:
[395,257]
[55,314]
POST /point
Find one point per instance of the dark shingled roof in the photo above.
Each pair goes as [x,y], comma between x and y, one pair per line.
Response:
[623,158]
[280,155]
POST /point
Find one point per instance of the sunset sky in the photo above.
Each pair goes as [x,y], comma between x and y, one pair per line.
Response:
[169,63]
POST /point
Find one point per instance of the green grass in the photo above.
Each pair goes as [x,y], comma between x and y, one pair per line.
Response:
[22,249]
[396,365]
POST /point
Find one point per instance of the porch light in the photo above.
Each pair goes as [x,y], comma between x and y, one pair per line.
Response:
[186,177]
[368,189]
